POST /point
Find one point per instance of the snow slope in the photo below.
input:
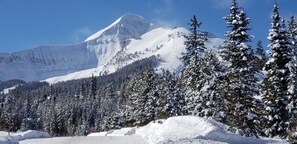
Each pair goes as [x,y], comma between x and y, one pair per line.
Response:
[86,140]
[46,61]
[186,130]
[7,90]
[14,138]
[174,130]
[128,39]
[165,43]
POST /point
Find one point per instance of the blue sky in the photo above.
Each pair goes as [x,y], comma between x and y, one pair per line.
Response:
[27,24]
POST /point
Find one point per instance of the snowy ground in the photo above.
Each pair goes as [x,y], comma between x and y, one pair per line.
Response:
[14,138]
[86,140]
[175,130]
[186,130]
[7,90]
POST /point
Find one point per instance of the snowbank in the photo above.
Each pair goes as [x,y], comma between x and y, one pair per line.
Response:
[14,138]
[186,129]
[121,132]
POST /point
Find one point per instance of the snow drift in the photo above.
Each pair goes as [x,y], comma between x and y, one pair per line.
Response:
[174,130]
[14,138]
[185,129]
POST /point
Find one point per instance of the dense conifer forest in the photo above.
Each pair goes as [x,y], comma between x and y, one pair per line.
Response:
[253,93]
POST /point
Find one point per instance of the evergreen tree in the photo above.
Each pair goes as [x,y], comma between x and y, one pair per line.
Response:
[168,104]
[194,41]
[240,80]
[260,57]
[277,79]
[29,121]
[180,97]
[209,97]
[292,31]
[191,76]
[141,98]
[9,116]
[93,86]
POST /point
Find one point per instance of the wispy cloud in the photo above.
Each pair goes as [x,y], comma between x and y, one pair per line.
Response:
[223,4]
[79,34]
[166,23]
[165,9]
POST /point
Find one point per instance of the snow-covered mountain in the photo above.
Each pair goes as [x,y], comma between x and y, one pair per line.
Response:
[46,61]
[128,39]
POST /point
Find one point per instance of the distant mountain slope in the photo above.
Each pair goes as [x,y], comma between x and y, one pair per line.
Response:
[164,43]
[128,39]
[46,61]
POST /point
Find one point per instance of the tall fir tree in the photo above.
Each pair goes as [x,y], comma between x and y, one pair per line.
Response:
[210,101]
[277,79]
[260,58]
[240,80]
[191,76]
[142,98]
[195,41]
[168,104]
[292,31]
[195,46]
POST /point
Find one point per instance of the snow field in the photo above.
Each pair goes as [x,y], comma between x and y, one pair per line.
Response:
[174,130]
[14,138]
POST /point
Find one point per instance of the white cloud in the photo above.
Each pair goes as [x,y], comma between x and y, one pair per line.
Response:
[162,11]
[166,23]
[223,4]
[79,34]
[165,8]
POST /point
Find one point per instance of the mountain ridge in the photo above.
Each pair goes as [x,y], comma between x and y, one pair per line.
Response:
[128,39]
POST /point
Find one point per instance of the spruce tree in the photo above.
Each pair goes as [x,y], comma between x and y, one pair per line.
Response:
[195,46]
[191,76]
[9,114]
[292,31]
[142,95]
[210,101]
[260,57]
[194,41]
[241,83]
[277,79]
[168,104]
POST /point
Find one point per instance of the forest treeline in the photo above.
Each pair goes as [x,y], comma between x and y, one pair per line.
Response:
[240,86]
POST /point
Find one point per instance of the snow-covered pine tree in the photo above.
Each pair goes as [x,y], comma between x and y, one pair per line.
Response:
[240,80]
[194,41]
[141,97]
[107,106]
[28,122]
[8,119]
[260,57]
[167,102]
[276,84]
[150,107]
[134,100]
[93,86]
[180,97]
[190,77]
[195,45]
[292,31]
[210,101]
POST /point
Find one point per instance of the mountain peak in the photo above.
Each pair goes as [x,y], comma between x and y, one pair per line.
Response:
[126,27]
[130,16]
